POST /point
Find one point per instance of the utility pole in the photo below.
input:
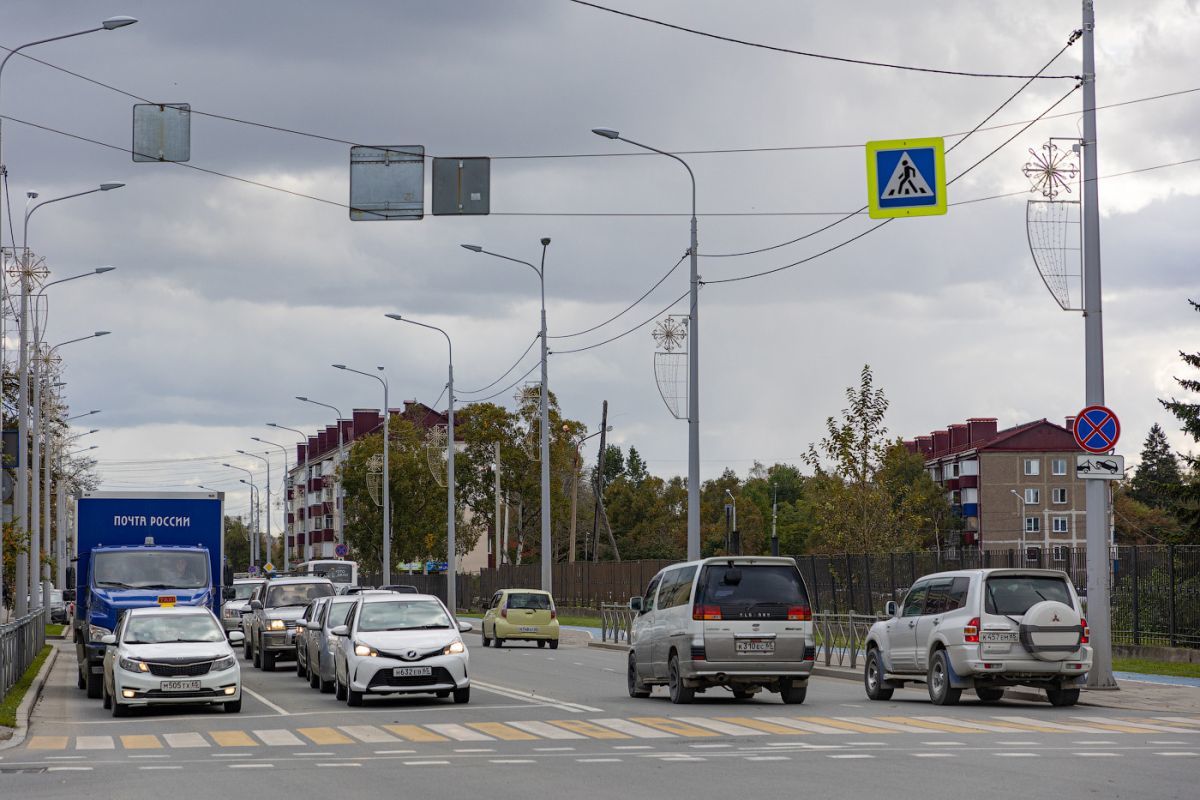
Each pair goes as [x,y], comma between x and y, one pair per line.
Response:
[774,520]
[1098,563]
[574,504]
[496,472]
[600,481]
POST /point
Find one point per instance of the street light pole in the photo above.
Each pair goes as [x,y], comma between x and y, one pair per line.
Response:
[1021,499]
[254,541]
[341,533]
[387,475]
[693,515]
[544,415]
[285,472]
[304,440]
[267,461]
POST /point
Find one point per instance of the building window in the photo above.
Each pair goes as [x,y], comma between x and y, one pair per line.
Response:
[1033,524]
[1061,525]
[969,467]
[1033,497]
[1060,553]
[1058,496]
[1033,466]
[954,470]
[1058,466]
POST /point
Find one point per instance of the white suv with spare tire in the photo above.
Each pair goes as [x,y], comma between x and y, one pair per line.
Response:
[982,629]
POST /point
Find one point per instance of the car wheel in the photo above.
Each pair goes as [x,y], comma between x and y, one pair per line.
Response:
[1062,697]
[873,678]
[988,694]
[107,697]
[95,683]
[793,693]
[462,696]
[353,698]
[119,709]
[680,694]
[635,685]
[938,680]
[246,648]
[268,661]
[256,653]
[314,679]
[339,693]
[234,706]
[554,644]
[300,671]
[326,686]
[486,641]
[80,681]
[498,643]
[541,642]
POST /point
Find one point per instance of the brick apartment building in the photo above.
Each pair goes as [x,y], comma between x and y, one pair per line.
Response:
[1011,486]
[313,504]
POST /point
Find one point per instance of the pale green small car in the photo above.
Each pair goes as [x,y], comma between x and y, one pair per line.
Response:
[521,614]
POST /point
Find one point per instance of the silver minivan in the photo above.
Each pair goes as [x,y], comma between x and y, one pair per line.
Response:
[740,622]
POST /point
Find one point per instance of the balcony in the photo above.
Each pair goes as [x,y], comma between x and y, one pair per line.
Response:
[952,484]
[327,507]
[968,482]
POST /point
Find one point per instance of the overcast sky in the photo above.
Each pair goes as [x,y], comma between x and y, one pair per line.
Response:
[230,299]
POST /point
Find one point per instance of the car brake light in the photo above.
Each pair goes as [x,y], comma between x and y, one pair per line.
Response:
[1086,633]
[801,613]
[553,614]
[971,631]
[504,613]
[706,612]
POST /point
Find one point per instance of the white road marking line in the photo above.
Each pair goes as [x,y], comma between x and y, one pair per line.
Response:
[710,746]
[311,755]
[1041,723]
[235,755]
[1184,720]
[1166,741]
[265,702]
[529,697]
[66,768]
[811,727]
[339,764]
[368,734]
[393,752]
[1016,743]
[150,756]
[183,740]
[944,744]
[634,729]
[768,758]
[900,727]
[546,731]
[933,755]
[597,760]
[459,733]
[609,669]
[798,744]
[1016,755]
[1139,725]
[94,743]
[424,763]
[65,758]
[1095,741]
[962,723]
[252,766]
[553,749]
[1177,753]
[474,749]
[727,728]
[511,761]
[865,744]
[278,737]
[160,766]
[633,747]
[849,755]
[1097,755]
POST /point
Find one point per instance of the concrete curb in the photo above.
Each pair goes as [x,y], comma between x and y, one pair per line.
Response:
[27,702]
[609,646]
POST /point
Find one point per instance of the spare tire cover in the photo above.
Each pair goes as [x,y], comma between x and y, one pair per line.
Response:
[1051,631]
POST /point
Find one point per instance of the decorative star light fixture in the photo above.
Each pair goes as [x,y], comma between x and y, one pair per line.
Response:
[1052,170]
[671,333]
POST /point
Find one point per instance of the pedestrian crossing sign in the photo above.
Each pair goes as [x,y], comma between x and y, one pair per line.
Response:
[906,178]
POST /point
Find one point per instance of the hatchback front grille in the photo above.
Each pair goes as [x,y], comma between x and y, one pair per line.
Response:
[167,670]
[385,677]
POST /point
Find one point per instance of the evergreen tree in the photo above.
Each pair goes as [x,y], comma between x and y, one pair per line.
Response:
[1158,475]
[1187,411]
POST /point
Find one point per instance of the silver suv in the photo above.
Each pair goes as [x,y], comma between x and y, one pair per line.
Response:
[275,607]
[982,629]
[743,623]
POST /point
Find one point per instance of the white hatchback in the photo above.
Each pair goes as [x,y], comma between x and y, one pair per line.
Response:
[400,644]
[170,656]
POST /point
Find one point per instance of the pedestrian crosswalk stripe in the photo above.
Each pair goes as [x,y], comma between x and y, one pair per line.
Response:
[94,743]
[48,742]
[807,727]
[856,727]
[324,736]
[975,726]
[890,727]
[502,731]
[1128,726]
[759,725]
[1177,720]
[458,733]
[141,741]
[634,729]
[545,730]
[675,726]
[186,740]
[232,739]
[278,737]
[588,729]
[727,728]
[414,733]
[1055,726]
[933,726]
[368,734]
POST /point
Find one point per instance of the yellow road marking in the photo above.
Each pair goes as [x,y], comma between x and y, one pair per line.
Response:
[587,729]
[47,743]
[324,736]
[141,741]
[857,727]
[233,739]
[501,731]
[415,733]
[674,726]
[762,725]
[1110,726]
[1022,726]
[933,726]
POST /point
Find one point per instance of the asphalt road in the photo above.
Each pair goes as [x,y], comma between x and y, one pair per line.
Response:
[543,722]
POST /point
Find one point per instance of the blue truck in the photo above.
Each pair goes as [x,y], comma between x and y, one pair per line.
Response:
[138,549]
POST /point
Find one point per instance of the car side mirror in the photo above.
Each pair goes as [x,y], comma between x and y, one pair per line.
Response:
[236,637]
[635,604]
[465,627]
[256,605]
[340,630]
[110,639]
[890,610]
[313,625]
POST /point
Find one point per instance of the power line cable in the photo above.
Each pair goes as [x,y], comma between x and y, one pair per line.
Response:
[506,372]
[821,56]
[637,327]
[506,388]
[628,307]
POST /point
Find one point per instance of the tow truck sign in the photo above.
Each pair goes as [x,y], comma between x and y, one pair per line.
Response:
[1100,467]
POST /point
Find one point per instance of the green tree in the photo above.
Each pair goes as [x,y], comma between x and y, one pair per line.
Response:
[1187,411]
[1158,478]
[1135,522]
[237,544]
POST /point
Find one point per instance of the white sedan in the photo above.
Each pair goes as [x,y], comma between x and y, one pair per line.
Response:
[172,656]
[400,644]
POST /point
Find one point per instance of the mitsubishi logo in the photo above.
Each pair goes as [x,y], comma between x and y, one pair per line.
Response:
[1055,619]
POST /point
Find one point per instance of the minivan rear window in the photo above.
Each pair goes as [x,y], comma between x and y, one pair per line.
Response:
[1016,594]
[761,591]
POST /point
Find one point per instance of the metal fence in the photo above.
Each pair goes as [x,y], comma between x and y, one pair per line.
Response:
[1155,590]
[20,643]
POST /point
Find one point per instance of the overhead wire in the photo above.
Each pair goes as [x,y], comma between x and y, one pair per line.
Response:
[506,388]
[516,363]
[807,54]
[637,327]
[627,308]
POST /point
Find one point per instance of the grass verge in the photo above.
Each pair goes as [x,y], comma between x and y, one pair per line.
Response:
[1148,666]
[8,706]
[580,622]
[54,630]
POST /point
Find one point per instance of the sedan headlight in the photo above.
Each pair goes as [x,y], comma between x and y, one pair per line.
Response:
[277,625]
[96,632]
[224,663]
[133,665]
[454,648]
[365,650]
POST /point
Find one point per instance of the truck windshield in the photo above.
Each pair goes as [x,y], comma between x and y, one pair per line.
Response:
[242,591]
[151,569]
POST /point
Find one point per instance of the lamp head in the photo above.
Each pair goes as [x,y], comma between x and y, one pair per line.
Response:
[102,270]
[227,465]
[302,398]
[339,366]
[108,185]
[102,333]
[255,438]
[545,241]
[607,133]
[243,452]
[31,195]
[396,317]
[474,248]
[94,430]
[112,23]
